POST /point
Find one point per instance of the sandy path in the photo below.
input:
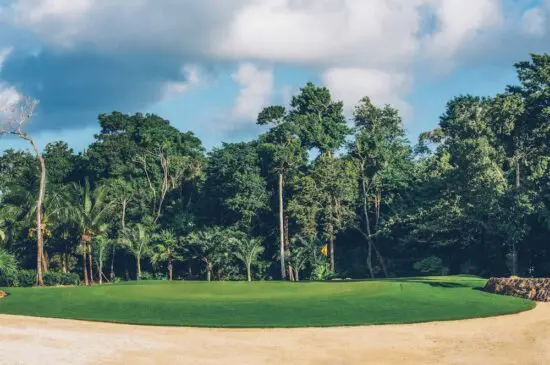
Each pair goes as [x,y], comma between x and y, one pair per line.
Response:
[515,339]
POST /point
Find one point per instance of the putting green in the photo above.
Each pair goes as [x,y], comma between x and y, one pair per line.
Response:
[267,304]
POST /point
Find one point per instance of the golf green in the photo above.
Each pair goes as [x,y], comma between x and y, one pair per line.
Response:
[267,304]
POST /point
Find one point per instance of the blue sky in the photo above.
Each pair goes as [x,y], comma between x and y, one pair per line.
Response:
[210,66]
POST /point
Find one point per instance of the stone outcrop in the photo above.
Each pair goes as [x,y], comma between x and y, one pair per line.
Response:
[534,289]
[3,294]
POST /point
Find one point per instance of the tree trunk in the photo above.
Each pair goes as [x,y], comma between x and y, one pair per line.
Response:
[296,274]
[208,272]
[290,273]
[39,202]
[100,272]
[369,259]
[64,263]
[91,266]
[248,273]
[332,266]
[281,227]
[112,273]
[45,261]
[517,174]
[84,264]
[138,267]
[367,221]
[170,268]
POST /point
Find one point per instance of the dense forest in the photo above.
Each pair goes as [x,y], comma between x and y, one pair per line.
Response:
[316,196]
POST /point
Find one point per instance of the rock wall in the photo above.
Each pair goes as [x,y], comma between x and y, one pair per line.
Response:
[534,289]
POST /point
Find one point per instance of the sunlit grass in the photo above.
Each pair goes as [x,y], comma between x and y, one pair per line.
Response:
[267,304]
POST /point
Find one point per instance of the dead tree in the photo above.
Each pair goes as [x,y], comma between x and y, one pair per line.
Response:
[13,120]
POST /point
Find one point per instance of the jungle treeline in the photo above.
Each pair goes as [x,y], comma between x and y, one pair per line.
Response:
[315,196]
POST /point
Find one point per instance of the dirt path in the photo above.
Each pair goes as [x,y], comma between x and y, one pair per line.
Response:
[516,339]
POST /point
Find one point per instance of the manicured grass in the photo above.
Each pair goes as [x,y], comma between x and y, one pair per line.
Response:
[267,304]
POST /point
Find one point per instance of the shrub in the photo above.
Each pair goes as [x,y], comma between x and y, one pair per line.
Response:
[52,278]
[431,265]
[8,268]
[145,275]
[26,278]
[321,271]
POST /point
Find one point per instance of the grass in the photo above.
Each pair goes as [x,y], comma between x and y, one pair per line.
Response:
[267,304]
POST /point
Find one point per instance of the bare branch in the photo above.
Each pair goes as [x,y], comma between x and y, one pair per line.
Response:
[13,117]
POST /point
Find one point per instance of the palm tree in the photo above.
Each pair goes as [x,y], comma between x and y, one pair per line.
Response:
[209,245]
[101,244]
[88,210]
[166,251]
[247,250]
[137,239]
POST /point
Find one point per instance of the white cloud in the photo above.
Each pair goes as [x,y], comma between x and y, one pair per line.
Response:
[8,95]
[256,85]
[352,84]
[364,47]
[326,32]
[4,53]
[192,78]
[459,23]
[534,21]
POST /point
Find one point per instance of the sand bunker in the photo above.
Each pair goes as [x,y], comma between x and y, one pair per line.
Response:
[513,339]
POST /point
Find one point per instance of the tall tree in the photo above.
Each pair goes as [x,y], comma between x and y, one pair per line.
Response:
[285,153]
[13,120]
[383,158]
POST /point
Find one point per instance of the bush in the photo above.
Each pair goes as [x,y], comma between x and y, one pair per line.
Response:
[431,265]
[321,271]
[145,275]
[52,278]
[8,268]
[26,278]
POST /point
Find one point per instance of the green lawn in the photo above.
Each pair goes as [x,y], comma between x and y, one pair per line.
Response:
[267,304]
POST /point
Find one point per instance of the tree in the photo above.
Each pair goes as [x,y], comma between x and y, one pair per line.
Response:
[88,209]
[101,246]
[137,240]
[234,188]
[247,250]
[285,153]
[336,193]
[120,193]
[166,250]
[13,119]
[321,124]
[210,246]
[382,155]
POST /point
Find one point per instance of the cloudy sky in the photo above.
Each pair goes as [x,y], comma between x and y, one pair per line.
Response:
[209,66]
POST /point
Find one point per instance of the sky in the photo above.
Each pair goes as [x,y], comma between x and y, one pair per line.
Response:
[210,66]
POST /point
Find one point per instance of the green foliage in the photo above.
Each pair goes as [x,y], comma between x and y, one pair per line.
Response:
[432,265]
[52,278]
[475,190]
[8,268]
[321,271]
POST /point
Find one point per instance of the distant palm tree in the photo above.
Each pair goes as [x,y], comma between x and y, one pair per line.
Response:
[88,209]
[247,250]
[137,240]
[166,251]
